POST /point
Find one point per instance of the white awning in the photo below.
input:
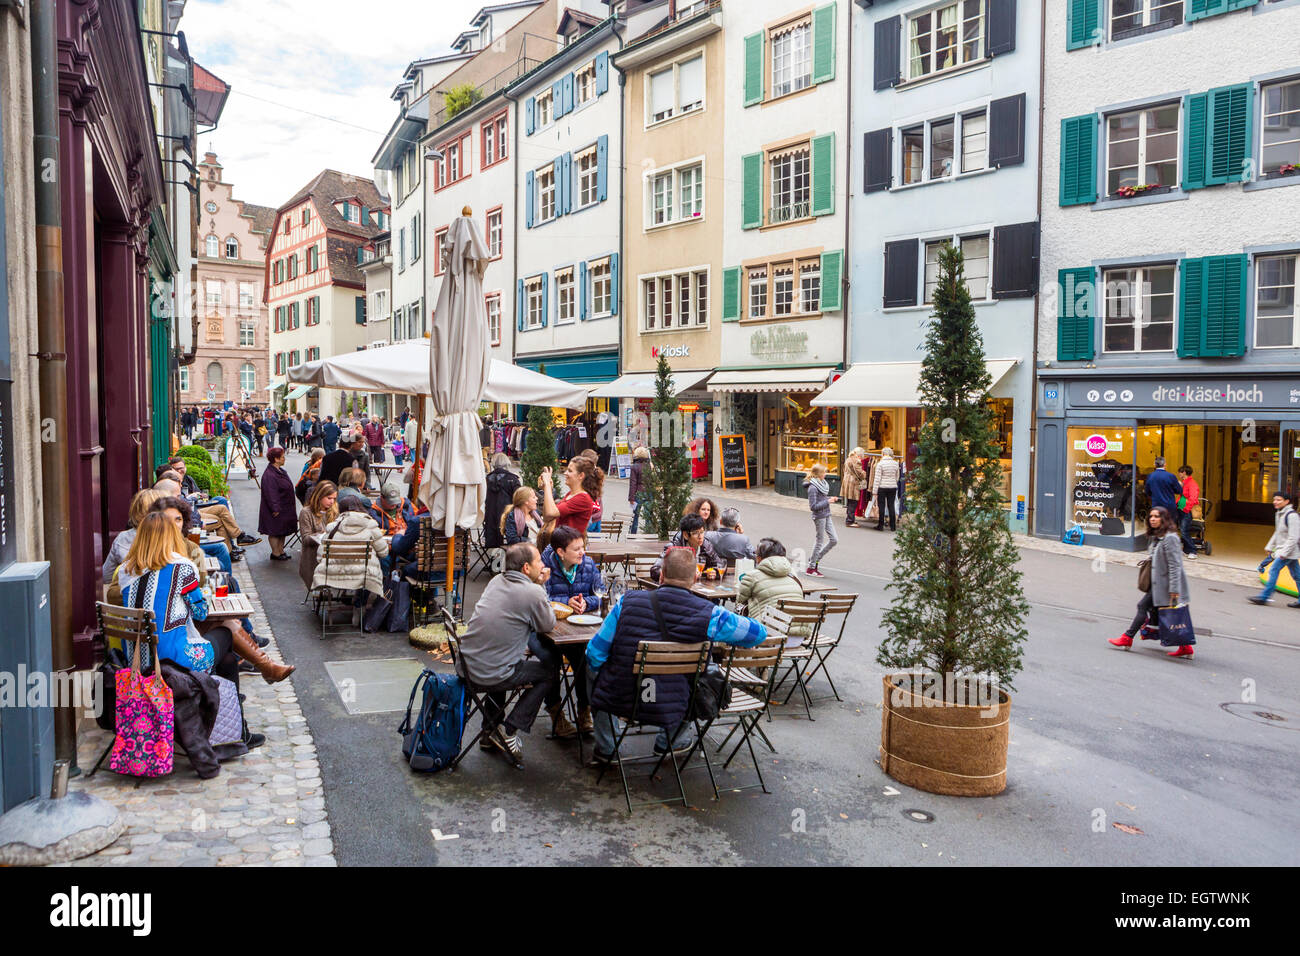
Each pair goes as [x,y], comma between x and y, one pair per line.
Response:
[298,392]
[642,385]
[274,385]
[771,379]
[889,384]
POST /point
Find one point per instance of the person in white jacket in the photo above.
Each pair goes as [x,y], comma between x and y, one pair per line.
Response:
[884,485]
[352,524]
[1283,548]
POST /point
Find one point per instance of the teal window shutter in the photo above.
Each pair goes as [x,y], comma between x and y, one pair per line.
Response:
[1223,332]
[1196,119]
[613,283]
[1076,306]
[731,294]
[823,175]
[1083,24]
[529,106]
[754,68]
[823,43]
[1200,9]
[832,284]
[520,312]
[359,305]
[1079,160]
[751,191]
[528,200]
[602,168]
[1229,125]
[365,217]
[1191,307]
[602,73]
[582,291]
[1241,4]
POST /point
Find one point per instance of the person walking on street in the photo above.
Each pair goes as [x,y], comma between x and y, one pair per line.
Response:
[1168,585]
[819,503]
[374,432]
[278,517]
[854,476]
[884,485]
[330,431]
[638,485]
[1187,502]
[1283,548]
[1163,488]
[283,429]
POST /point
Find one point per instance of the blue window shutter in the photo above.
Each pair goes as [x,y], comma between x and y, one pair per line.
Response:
[1196,125]
[602,73]
[528,199]
[519,305]
[569,93]
[582,291]
[1076,305]
[613,283]
[1079,160]
[557,99]
[602,168]
[546,298]
[565,181]
[528,116]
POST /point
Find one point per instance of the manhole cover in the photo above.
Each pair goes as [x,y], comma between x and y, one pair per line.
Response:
[1263,715]
[374,686]
[919,816]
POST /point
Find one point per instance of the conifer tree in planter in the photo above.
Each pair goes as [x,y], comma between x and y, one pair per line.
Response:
[956,618]
[669,478]
[539,450]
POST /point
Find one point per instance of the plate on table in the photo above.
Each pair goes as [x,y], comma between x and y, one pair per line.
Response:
[585,619]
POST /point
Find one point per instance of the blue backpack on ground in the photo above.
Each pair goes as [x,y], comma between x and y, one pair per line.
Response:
[434,742]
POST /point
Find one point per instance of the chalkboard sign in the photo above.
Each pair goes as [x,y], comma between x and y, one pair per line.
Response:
[735,459]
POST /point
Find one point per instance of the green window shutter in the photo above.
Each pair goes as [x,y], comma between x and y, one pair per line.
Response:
[1191,308]
[1079,160]
[823,43]
[1076,306]
[752,191]
[1196,114]
[823,175]
[1083,24]
[731,294]
[754,68]
[315,309]
[1224,333]
[832,284]
[1229,133]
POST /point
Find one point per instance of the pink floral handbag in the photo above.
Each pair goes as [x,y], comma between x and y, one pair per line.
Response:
[145,721]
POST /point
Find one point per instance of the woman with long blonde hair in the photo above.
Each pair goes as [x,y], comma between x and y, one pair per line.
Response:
[321,508]
[520,521]
[140,505]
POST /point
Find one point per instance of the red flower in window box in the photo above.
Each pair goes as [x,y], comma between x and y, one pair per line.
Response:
[1128,192]
[1289,169]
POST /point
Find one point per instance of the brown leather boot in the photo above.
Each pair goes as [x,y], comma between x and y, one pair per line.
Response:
[247,648]
[585,723]
[561,726]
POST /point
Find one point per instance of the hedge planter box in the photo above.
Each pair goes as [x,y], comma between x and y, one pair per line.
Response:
[959,749]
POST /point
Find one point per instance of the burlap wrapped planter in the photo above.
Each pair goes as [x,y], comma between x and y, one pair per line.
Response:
[939,747]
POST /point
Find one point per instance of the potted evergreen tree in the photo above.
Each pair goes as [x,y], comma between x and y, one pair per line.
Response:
[669,478]
[956,618]
[539,452]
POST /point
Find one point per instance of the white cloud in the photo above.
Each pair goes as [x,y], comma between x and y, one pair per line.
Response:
[337,59]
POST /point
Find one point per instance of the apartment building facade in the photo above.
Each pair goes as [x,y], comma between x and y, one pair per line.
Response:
[1168,325]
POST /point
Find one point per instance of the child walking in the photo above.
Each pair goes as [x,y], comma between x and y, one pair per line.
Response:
[819,503]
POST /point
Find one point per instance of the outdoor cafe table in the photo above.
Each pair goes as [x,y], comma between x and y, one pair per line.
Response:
[565,634]
[727,589]
[210,563]
[232,606]
[382,471]
[612,552]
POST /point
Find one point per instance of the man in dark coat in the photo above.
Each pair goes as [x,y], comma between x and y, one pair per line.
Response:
[278,516]
[331,432]
[502,483]
[349,456]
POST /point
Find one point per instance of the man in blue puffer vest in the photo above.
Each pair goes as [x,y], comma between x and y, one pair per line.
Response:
[688,619]
[573,581]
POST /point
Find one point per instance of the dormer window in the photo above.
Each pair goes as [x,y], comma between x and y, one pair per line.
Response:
[485,34]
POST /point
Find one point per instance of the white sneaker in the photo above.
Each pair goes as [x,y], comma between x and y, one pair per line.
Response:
[1191,556]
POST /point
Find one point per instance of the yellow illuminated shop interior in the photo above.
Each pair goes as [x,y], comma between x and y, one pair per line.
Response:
[1236,468]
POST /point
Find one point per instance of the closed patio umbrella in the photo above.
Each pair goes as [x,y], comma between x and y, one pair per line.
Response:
[452,483]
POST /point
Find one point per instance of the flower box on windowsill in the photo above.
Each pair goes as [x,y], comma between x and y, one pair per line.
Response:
[1287,169]
[1132,192]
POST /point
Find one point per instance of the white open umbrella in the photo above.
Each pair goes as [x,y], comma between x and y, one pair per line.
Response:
[452,484]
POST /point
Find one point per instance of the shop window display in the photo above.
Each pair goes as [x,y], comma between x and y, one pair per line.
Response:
[1100,474]
[809,436]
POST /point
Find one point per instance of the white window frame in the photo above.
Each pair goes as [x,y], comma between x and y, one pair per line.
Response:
[1259,150]
[248,384]
[1295,297]
[566,296]
[544,111]
[1146,8]
[183,378]
[1143,136]
[806,270]
[212,300]
[247,295]
[678,108]
[496,233]
[248,333]
[674,211]
[798,157]
[212,245]
[232,241]
[756,291]
[703,287]
[959,55]
[545,193]
[377,310]
[661,305]
[587,164]
[1139,320]
[493,316]
[598,275]
[787,43]
[956,239]
[959,119]
[533,302]
[584,82]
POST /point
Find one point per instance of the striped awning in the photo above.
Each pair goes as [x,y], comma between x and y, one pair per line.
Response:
[771,379]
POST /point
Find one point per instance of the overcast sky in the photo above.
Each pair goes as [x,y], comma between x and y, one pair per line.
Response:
[337,59]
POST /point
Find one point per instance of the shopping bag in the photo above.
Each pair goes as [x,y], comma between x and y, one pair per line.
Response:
[229,725]
[146,718]
[1176,626]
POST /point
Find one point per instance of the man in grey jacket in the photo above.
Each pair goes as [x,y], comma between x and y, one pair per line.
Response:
[512,609]
[1283,548]
[729,542]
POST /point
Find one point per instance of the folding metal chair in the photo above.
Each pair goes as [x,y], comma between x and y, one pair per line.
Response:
[482,559]
[479,703]
[130,625]
[661,659]
[346,557]
[430,578]
[752,673]
[808,613]
[828,638]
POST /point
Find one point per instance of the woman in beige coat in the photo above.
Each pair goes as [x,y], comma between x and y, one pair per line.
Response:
[851,486]
[352,524]
[321,509]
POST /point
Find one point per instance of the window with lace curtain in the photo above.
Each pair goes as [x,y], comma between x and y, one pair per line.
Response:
[945,38]
[792,58]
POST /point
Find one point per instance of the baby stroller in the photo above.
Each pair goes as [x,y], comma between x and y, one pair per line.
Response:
[1196,530]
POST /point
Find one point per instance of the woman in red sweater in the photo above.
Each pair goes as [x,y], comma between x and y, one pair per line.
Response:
[584,481]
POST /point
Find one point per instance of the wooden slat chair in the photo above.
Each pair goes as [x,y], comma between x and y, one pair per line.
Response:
[642,536]
[828,636]
[345,557]
[478,701]
[622,517]
[130,626]
[611,529]
[430,578]
[749,701]
[809,613]
[641,568]
[660,659]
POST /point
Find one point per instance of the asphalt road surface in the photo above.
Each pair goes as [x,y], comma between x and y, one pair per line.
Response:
[1099,737]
